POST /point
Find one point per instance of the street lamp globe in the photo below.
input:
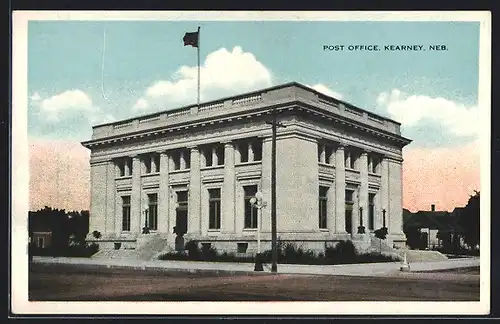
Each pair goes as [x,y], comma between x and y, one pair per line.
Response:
[253,200]
[258,195]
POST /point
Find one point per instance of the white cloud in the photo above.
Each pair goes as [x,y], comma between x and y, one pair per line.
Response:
[66,102]
[327,91]
[223,73]
[412,110]
[141,104]
[35,97]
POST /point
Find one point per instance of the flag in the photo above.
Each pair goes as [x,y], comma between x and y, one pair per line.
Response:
[191,39]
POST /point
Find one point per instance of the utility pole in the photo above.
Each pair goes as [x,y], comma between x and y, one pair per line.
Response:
[274,248]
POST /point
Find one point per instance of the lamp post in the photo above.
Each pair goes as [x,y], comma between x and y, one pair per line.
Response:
[383,217]
[145,230]
[258,203]
[361,228]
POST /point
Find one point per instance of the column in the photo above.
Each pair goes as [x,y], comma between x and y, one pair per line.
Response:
[194,199]
[135,199]
[363,189]
[355,213]
[330,209]
[339,190]
[228,191]
[182,160]
[384,190]
[110,198]
[163,196]
[396,196]
[322,154]
[250,152]
[215,158]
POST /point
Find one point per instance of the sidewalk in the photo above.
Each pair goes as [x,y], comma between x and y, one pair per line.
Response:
[385,269]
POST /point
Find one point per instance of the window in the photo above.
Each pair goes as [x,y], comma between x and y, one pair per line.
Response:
[242,247]
[250,211]
[208,157]
[130,167]
[348,210]
[152,216]
[40,242]
[371,211]
[121,167]
[243,148]
[219,151]
[157,163]
[126,213]
[257,150]
[176,158]
[187,158]
[322,206]
[147,164]
[320,150]
[328,154]
[214,208]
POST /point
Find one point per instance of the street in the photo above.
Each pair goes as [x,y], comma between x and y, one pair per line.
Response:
[58,282]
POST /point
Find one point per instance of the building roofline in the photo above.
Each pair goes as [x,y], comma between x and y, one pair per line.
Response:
[276,87]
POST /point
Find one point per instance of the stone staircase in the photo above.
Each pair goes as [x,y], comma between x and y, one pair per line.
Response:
[148,248]
[411,255]
[423,256]
[381,246]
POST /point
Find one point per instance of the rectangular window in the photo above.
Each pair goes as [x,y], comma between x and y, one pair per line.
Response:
[322,206]
[208,157]
[152,216]
[243,148]
[40,242]
[176,157]
[328,154]
[250,211]
[371,211]
[130,167]
[320,149]
[157,163]
[348,210]
[187,157]
[219,150]
[121,166]
[257,150]
[147,164]
[126,213]
[214,208]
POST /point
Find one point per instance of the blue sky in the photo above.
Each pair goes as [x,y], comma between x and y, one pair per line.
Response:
[434,94]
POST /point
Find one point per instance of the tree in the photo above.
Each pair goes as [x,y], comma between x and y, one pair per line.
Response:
[381,234]
[469,220]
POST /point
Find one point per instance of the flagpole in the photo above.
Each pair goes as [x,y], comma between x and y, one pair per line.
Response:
[198,51]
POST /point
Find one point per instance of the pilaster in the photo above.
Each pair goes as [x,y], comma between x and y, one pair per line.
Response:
[194,199]
[340,191]
[164,225]
[363,189]
[135,203]
[228,190]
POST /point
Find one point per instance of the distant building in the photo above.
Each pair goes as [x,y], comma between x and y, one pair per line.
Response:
[40,233]
[197,167]
[437,229]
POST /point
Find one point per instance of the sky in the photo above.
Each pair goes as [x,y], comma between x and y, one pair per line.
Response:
[84,73]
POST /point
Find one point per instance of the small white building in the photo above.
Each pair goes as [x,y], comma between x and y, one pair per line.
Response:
[197,167]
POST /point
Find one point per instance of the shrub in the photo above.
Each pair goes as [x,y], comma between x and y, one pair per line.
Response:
[96,234]
[193,249]
[343,252]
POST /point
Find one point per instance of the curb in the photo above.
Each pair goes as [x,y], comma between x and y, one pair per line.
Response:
[155,268]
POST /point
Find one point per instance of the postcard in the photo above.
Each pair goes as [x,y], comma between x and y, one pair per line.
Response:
[250,163]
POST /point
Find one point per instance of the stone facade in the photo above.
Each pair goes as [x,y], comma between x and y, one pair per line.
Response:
[196,167]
